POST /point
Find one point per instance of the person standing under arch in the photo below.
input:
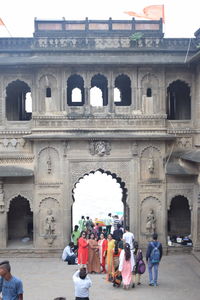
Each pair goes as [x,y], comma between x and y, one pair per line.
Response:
[83,250]
[126,264]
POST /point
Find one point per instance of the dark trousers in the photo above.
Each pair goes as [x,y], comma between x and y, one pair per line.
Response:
[108,228]
[80,298]
[71,259]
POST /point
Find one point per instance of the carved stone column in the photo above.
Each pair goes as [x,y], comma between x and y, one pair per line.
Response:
[87,95]
[3,238]
[196,229]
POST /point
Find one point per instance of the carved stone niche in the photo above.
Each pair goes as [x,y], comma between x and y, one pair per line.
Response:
[150,220]
[48,90]
[48,165]
[151,164]
[149,85]
[49,220]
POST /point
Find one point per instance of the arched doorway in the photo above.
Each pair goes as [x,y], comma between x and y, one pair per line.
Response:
[179,217]
[20,222]
[98,193]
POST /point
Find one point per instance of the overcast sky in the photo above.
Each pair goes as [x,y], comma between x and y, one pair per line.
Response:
[182,16]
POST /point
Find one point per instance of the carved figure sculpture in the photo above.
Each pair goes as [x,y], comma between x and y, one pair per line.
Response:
[151,222]
[151,165]
[50,223]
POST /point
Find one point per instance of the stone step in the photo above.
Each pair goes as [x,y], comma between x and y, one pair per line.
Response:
[6,253]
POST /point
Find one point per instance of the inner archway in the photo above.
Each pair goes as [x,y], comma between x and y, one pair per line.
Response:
[98,193]
[20,222]
[179,217]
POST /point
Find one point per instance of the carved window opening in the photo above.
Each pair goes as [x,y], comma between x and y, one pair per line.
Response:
[75,91]
[179,217]
[99,91]
[93,196]
[149,93]
[178,101]
[123,83]
[48,92]
[18,101]
[20,220]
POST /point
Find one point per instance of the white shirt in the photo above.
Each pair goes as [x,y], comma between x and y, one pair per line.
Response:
[81,285]
[128,237]
[109,221]
[67,252]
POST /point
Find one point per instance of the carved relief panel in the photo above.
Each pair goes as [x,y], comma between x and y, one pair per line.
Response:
[49,219]
[48,165]
[151,164]
[150,215]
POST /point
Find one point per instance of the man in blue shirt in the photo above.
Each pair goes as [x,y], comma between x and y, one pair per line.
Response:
[10,286]
[153,257]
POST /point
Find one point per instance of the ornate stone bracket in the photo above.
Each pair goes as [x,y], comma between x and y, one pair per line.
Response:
[100,148]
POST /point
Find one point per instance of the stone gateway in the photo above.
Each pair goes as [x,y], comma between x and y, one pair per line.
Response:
[82,96]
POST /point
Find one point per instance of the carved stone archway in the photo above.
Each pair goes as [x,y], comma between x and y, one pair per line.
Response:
[122,186]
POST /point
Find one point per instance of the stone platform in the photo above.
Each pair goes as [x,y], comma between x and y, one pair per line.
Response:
[47,278]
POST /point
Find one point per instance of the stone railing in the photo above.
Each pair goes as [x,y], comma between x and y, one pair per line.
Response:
[100,43]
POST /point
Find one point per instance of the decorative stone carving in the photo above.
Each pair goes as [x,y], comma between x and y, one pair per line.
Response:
[48,165]
[49,216]
[100,148]
[50,227]
[150,219]
[2,202]
[151,222]
[151,163]
[184,142]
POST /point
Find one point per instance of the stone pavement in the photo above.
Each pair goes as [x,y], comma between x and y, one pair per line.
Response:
[47,278]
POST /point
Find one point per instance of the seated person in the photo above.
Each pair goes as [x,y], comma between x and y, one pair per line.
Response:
[69,255]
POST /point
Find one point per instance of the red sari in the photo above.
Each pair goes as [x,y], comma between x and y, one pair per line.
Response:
[103,244]
[82,251]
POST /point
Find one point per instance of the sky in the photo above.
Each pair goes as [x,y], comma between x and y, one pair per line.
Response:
[182,16]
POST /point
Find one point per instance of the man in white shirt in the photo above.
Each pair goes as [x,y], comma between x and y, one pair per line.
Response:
[108,223]
[82,283]
[128,237]
[69,255]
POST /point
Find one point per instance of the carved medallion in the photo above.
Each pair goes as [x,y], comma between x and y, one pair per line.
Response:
[100,148]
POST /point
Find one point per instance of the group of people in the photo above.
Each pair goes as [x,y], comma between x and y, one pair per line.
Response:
[117,255]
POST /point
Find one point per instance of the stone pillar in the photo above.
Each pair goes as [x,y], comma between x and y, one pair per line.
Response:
[87,95]
[3,219]
[196,226]
[111,105]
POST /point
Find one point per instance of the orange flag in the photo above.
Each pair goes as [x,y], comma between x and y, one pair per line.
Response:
[1,22]
[152,12]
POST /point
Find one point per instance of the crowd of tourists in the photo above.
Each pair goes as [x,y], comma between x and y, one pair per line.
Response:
[96,250]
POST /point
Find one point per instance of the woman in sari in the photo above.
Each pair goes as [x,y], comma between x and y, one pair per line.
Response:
[103,244]
[83,250]
[116,254]
[126,264]
[109,258]
[93,255]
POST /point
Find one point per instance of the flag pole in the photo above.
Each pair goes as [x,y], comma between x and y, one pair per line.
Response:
[3,24]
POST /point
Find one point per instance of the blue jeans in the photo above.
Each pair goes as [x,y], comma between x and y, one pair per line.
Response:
[153,279]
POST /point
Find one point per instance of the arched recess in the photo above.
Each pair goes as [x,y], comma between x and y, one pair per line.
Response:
[20,219]
[150,93]
[75,90]
[123,85]
[119,181]
[99,82]
[18,94]
[48,165]
[179,217]
[48,91]
[178,101]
